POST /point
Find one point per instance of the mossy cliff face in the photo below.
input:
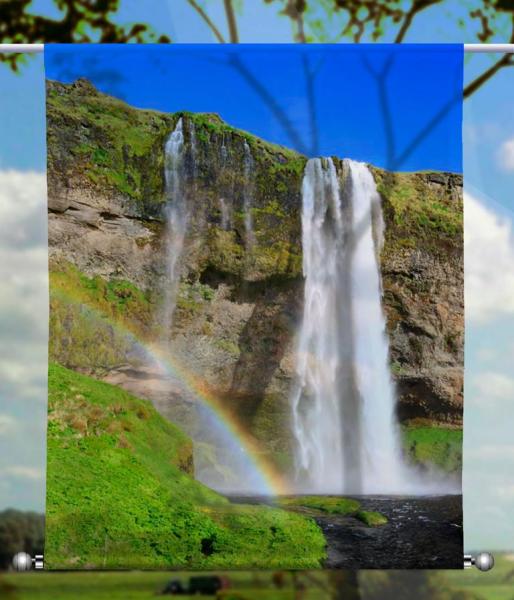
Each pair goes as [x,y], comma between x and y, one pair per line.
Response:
[423,279]
[239,302]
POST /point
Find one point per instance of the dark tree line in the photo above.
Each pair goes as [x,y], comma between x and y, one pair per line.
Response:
[20,532]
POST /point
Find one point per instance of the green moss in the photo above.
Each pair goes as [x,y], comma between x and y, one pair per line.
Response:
[106,140]
[371,518]
[120,493]
[329,504]
[420,212]
[95,322]
[434,446]
[228,346]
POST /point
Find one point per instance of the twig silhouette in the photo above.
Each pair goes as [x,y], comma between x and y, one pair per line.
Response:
[394,161]
[280,114]
[232,23]
[210,23]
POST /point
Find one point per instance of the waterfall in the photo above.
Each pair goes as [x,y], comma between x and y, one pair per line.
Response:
[343,404]
[382,464]
[248,165]
[226,465]
[175,213]
[224,209]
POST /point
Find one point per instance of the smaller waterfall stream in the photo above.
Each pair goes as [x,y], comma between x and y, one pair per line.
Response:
[176,214]
[221,461]
[248,165]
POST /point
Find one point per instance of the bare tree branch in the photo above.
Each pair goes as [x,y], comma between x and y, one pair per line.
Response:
[300,35]
[417,7]
[280,114]
[232,24]
[504,61]
[207,20]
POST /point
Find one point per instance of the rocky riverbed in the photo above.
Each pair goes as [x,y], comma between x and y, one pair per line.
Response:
[422,532]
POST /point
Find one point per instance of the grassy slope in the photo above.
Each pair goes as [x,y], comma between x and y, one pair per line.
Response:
[119,493]
[432,445]
[92,313]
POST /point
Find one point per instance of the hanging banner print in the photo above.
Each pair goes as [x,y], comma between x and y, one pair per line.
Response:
[256,306]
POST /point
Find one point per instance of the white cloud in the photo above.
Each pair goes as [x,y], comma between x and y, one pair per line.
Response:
[7,424]
[491,386]
[23,287]
[23,336]
[488,452]
[489,263]
[24,472]
[505,491]
[506,155]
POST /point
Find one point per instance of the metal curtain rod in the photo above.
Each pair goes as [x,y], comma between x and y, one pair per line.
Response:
[35,48]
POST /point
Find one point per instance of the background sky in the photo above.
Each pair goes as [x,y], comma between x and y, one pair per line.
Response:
[488,130]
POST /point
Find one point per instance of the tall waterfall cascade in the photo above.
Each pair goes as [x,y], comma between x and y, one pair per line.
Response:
[343,404]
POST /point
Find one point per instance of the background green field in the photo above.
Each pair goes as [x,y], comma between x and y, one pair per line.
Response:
[471,584]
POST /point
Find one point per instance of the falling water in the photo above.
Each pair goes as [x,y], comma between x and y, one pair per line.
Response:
[343,405]
[223,150]
[227,466]
[247,194]
[316,405]
[176,214]
[224,209]
[382,465]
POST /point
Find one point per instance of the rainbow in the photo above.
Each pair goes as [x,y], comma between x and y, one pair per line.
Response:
[265,477]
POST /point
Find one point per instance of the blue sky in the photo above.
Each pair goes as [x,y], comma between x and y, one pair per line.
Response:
[488,133]
[349,117]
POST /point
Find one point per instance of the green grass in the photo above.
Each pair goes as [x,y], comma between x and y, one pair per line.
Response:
[245,585]
[116,298]
[133,585]
[328,504]
[335,505]
[120,493]
[432,445]
[371,518]
[95,322]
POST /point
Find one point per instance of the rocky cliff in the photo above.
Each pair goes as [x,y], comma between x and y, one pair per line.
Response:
[238,304]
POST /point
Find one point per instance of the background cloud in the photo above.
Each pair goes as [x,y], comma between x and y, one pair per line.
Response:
[506,155]
[7,425]
[23,338]
[489,260]
[491,385]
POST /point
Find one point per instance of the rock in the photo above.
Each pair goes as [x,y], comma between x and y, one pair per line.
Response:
[238,309]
